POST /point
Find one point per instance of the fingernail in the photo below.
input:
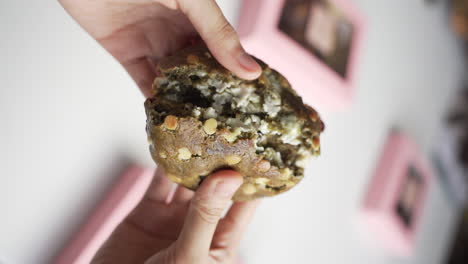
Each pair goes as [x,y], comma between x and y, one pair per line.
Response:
[248,62]
[226,188]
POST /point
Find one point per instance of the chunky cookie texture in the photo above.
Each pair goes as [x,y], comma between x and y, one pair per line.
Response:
[202,118]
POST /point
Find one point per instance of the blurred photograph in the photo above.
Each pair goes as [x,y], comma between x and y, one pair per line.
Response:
[320,27]
[409,195]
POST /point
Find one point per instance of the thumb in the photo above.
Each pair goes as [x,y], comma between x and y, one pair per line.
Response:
[206,208]
[220,37]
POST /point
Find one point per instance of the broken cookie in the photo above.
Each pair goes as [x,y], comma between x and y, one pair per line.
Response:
[203,118]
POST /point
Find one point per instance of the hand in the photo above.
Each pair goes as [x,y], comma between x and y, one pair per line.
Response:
[140,32]
[186,228]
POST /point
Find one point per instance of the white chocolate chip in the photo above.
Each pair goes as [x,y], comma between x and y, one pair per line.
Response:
[196,112]
[162,154]
[184,154]
[210,126]
[248,189]
[232,159]
[262,181]
[286,173]
[264,127]
[293,130]
[272,104]
[232,136]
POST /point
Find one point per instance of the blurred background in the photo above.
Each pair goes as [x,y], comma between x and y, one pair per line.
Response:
[72,119]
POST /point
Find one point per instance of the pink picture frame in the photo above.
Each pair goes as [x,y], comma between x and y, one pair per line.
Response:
[122,198]
[381,206]
[316,82]
[116,205]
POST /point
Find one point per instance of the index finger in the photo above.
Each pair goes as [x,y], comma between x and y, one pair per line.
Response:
[220,37]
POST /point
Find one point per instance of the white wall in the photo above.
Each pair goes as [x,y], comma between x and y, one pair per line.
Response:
[70,117]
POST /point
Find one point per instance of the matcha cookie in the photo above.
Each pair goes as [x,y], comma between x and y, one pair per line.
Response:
[202,118]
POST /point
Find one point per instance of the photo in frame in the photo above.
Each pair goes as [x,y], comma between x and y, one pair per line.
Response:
[396,195]
[409,193]
[315,44]
[321,28]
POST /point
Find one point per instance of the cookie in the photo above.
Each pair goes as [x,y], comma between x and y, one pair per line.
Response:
[203,118]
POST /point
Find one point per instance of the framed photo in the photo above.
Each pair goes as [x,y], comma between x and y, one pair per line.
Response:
[314,43]
[408,195]
[396,196]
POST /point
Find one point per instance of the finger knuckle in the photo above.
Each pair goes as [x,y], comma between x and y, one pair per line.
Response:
[206,210]
[226,34]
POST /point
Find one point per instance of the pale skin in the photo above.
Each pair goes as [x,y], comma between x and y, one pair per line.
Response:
[187,228]
[140,32]
[182,226]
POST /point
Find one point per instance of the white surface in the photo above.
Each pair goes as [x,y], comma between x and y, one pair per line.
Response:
[71,116]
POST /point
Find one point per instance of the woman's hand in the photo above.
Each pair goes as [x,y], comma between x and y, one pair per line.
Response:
[186,228]
[140,32]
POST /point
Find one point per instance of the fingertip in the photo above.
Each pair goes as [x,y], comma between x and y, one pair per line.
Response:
[220,37]
[237,61]
[252,69]
[222,183]
[246,75]
[227,175]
